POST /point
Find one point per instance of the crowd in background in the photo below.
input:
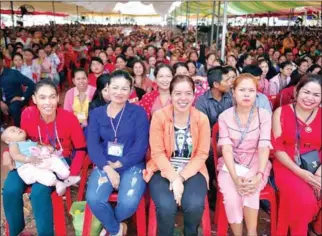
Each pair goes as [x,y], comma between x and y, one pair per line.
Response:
[263,74]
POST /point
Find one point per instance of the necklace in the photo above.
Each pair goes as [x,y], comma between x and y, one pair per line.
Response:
[307,128]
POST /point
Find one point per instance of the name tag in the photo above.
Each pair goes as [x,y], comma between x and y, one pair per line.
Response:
[115,149]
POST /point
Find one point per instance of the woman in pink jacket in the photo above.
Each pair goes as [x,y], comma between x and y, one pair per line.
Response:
[77,99]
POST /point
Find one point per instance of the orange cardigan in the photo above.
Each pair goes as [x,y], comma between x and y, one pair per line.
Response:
[162,145]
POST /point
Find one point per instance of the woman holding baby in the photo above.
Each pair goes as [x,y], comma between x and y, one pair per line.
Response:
[46,125]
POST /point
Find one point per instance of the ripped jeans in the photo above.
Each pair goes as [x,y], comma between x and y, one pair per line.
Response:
[131,189]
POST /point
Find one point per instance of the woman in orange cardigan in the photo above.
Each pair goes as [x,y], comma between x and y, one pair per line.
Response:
[179,148]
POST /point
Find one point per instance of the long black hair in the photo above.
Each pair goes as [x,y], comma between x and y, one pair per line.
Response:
[98,99]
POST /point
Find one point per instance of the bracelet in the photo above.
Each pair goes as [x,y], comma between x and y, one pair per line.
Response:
[260,172]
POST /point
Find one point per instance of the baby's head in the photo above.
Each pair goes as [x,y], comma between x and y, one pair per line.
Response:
[13,134]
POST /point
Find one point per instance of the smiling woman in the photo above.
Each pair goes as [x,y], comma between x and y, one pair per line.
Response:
[45,124]
[177,172]
[297,131]
[77,99]
[117,142]
[160,97]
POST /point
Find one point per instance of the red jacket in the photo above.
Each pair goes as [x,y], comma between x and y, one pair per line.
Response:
[69,132]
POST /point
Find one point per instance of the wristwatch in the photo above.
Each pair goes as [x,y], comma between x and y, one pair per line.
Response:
[22,99]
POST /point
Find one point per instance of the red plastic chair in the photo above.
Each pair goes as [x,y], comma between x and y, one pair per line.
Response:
[139,215]
[273,100]
[58,212]
[152,228]
[82,183]
[268,193]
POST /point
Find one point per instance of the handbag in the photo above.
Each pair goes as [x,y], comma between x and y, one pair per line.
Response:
[310,160]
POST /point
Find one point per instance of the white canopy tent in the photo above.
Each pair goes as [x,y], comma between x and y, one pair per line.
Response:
[126,7]
[100,7]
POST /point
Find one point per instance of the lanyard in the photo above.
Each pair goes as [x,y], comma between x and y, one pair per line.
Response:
[117,126]
[52,140]
[243,137]
[297,135]
[180,150]
[243,133]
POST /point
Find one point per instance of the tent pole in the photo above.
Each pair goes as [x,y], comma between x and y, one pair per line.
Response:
[53,3]
[217,32]
[187,9]
[12,16]
[269,13]
[77,13]
[197,25]
[181,16]
[321,15]
[212,22]
[175,16]
[289,19]
[224,30]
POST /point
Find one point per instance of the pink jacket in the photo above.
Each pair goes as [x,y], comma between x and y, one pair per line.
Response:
[71,93]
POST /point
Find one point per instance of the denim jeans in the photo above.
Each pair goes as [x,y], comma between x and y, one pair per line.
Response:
[15,111]
[40,197]
[192,203]
[99,188]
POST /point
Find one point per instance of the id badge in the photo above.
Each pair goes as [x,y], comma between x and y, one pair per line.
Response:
[81,116]
[115,149]
[240,169]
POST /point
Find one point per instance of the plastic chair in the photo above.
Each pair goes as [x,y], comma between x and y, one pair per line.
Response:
[268,193]
[139,215]
[82,183]
[273,100]
[206,225]
[58,213]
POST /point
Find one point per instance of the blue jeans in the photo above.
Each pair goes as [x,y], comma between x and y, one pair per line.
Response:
[131,189]
[192,204]
[40,197]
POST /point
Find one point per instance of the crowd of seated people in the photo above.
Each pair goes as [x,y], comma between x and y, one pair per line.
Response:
[142,106]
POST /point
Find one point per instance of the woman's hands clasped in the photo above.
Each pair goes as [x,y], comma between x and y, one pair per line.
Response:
[177,187]
[113,176]
[247,186]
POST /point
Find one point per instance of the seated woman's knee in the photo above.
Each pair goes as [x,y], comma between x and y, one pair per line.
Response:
[166,207]
[39,190]
[94,199]
[12,191]
[193,202]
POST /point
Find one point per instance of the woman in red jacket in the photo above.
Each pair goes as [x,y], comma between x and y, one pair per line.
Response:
[48,125]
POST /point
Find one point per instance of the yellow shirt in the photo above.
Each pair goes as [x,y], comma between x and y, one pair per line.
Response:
[81,109]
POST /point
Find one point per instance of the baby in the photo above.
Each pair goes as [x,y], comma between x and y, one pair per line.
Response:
[35,163]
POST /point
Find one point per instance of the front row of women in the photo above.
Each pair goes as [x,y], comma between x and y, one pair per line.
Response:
[118,139]
[176,173]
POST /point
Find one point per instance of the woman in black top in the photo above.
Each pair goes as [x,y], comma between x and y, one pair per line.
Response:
[101,96]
